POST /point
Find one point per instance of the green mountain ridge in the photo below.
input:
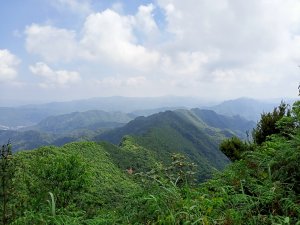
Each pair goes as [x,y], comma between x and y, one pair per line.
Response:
[89,120]
[202,119]
[182,131]
[79,126]
[234,123]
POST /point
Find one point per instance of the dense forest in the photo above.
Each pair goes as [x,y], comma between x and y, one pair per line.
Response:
[134,183]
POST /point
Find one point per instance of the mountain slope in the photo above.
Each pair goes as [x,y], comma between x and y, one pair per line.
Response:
[184,131]
[81,176]
[207,120]
[235,123]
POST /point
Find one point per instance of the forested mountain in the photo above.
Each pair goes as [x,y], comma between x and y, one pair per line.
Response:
[78,126]
[206,121]
[194,133]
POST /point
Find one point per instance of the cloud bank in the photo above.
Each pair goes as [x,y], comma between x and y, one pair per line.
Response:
[222,49]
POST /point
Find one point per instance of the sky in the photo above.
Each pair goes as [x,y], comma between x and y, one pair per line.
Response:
[56,50]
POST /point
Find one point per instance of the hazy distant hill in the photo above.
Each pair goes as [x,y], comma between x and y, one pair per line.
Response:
[89,120]
[25,140]
[14,117]
[248,108]
[118,103]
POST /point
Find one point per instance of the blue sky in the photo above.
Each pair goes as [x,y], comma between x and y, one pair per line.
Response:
[69,49]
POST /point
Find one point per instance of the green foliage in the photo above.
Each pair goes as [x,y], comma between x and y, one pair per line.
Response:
[165,188]
[234,148]
[291,122]
[129,154]
[81,178]
[7,171]
[187,140]
[180,172]
[262,188]
[268,123]
[66,176]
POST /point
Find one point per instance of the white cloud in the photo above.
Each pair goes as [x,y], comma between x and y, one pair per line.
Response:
[8,65]
[186,63]
[54,78]
[109,36]
[105,36]
[250,38]
[51,43]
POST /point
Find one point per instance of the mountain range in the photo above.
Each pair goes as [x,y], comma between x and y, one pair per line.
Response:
[195,133]
[28,115]
[14,118]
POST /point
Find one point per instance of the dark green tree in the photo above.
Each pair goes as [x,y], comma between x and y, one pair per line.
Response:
[268,123]
[233,148]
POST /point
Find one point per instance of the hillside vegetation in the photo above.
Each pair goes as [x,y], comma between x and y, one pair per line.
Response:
[134,183]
